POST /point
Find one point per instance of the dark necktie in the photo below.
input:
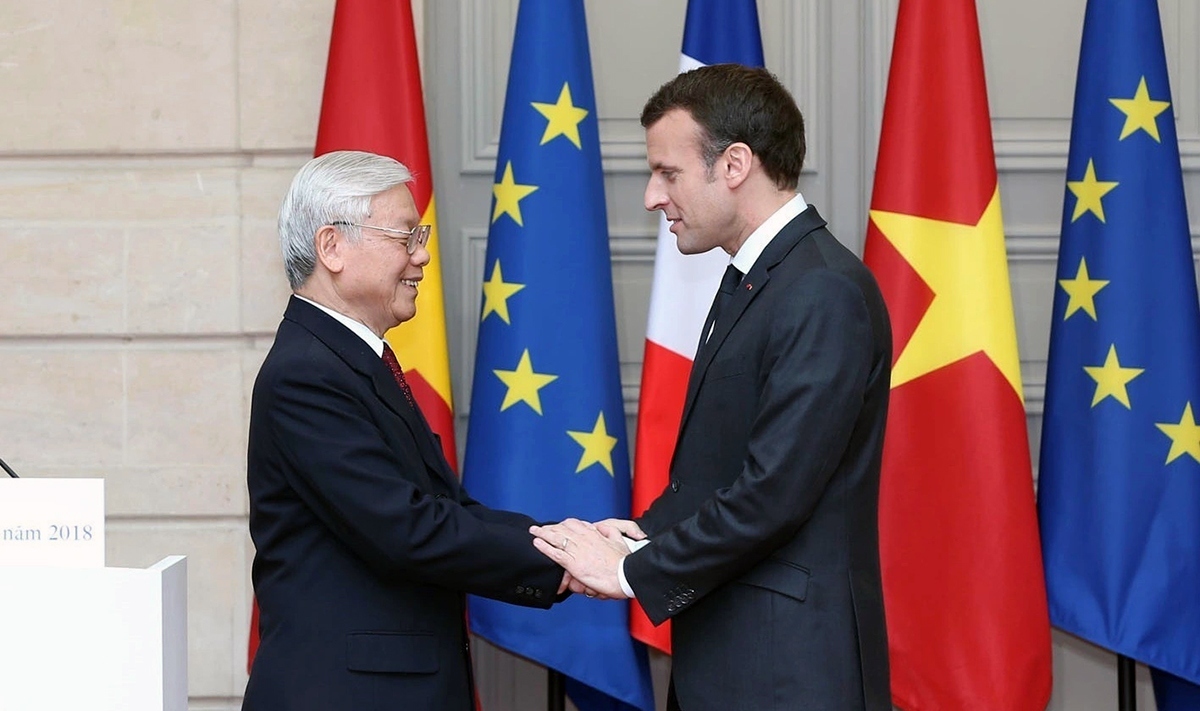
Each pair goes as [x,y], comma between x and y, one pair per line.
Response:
[729,283]
[398,373]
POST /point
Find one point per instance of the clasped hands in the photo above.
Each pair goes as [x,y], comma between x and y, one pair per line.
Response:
[589,552]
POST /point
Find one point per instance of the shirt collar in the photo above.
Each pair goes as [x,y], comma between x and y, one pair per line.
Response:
[758,240]
[359,329]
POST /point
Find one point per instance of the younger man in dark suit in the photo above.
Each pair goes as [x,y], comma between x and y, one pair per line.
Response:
[764,547]
[366,543]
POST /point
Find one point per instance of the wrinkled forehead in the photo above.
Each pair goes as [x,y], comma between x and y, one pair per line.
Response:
[396,204]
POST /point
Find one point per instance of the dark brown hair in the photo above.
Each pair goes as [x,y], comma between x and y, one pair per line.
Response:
[734,103]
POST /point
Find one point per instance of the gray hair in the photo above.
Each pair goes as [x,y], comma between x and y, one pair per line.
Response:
[335,187]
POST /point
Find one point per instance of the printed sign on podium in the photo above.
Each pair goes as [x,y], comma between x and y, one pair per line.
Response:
[52,522]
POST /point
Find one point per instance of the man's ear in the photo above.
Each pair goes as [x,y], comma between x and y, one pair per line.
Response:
[329,245]
[739,161]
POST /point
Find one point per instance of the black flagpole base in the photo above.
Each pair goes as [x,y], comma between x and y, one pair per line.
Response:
[556,691]
[1126,683]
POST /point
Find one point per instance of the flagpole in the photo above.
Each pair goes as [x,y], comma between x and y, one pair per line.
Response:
[556,691]
[1126,684]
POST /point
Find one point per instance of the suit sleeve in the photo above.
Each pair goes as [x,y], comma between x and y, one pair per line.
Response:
[338,461]
[817,362]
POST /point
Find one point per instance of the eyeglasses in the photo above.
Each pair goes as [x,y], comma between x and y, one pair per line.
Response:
[417,236]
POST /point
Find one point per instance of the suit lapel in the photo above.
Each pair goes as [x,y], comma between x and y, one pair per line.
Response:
[359,356]
[752,284]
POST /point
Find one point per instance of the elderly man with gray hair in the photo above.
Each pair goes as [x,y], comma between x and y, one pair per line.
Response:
[366,543]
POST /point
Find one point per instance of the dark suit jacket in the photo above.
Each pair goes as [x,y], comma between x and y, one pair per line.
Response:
[765,545]
[365,541]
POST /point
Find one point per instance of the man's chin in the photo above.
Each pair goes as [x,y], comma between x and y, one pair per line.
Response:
[405,314]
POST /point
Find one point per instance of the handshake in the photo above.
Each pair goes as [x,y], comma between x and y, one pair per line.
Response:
[591,553]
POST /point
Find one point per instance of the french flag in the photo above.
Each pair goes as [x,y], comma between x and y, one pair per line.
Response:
[715,32]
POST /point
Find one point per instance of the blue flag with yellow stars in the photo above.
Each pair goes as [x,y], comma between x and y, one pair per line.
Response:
[1119,480]
[547,425]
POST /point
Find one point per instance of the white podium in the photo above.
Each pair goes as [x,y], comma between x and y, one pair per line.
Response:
[95,639]
[75,635]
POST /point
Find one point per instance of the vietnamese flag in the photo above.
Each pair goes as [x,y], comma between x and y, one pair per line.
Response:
[373,102]
[968,626]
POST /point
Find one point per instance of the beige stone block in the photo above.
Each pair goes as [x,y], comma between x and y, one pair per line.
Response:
[184,278]
[118,194]
[263,189]
[264,284]
[60,281]
[265,289]
[119,75]
[282,51]
[159,491]
[217,592]
[61,407]
[185,408]
[251,363]
[176,491]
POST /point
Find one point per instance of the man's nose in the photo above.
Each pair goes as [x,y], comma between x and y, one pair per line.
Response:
[655,197]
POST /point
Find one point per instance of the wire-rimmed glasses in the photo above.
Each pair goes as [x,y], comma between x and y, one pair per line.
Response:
[417,236]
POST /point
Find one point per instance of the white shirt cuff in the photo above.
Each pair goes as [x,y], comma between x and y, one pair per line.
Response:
[624,583]
[633,546]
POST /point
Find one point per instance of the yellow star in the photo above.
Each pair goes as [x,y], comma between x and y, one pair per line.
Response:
[524,384]
[509,194]
[496,292]
[966,268]
[1185,436]
[1088,193]
[1082,290]
[564,117]
[597,446]
[1141,112]
[1111,379]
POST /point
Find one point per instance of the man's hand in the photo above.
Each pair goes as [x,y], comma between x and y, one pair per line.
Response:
[590,556]
[625,527]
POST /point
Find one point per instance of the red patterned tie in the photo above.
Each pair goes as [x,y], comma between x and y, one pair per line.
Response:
[398,373]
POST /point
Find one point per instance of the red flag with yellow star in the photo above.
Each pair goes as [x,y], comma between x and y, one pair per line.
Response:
[373,102]
[962,571]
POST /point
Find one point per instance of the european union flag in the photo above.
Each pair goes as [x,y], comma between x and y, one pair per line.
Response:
[1119,485]
[547,426]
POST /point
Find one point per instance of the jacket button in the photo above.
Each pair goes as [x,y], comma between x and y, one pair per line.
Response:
[674,485]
